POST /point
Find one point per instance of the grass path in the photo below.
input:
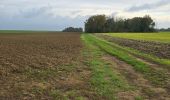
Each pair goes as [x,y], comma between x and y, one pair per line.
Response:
[107,82]
[157,78]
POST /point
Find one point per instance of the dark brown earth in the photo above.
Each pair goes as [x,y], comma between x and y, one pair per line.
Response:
[161,50]
[40,66]
[37,51]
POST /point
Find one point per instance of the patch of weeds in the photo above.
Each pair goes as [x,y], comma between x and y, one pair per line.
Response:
[80,98]
[158,78]
[38,74]
[67,68]
[37,90]
[71,94]
[57,95]
[48,73]
[149,92]
[139,98]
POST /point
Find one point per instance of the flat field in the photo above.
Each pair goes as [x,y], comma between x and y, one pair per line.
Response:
[74,66]
[158,37]
[32,63]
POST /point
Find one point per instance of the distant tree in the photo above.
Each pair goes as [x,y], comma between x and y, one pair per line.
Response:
[135,24]
[127,25]
[119,25]
[72,29]
[141,24]
[109,24]
[147,24]
[164,30]
[95,24]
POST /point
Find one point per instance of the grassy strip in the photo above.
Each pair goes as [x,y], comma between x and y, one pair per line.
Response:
[156,77]
[105,80]
[153,58]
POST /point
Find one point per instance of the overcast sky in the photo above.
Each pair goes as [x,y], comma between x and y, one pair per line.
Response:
[58,14]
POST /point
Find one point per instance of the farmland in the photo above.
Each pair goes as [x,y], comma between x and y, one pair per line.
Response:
[74,66]
[156,37]
[33,65]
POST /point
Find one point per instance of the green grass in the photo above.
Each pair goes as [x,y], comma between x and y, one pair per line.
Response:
[164,62]
[153,58]
[158,37]
[156,77]
[140,66]
[105,80]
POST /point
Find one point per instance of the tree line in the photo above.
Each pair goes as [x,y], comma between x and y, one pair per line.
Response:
[104,24]
[72,29]
[164,30]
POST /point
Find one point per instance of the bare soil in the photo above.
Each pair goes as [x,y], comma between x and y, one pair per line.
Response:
[40,66]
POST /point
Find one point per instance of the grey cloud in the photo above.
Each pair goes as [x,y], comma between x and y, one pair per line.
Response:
[58,14]
[114,13]
[41,23]
[34,12]
[76,12]
[148,6]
